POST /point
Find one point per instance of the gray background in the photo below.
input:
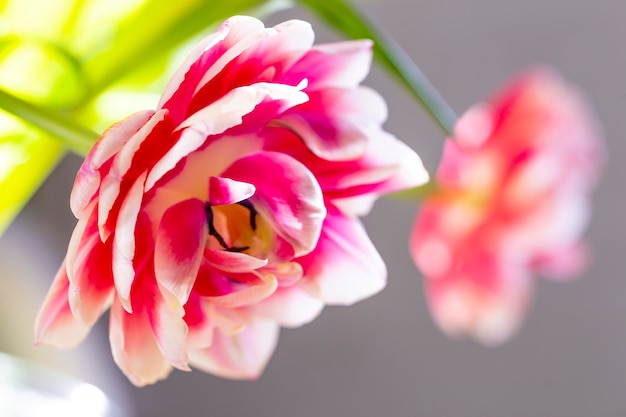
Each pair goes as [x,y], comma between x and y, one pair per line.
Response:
[384,357]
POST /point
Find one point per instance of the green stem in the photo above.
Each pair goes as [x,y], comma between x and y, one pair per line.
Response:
[346,18]
[72,134]
[416,193]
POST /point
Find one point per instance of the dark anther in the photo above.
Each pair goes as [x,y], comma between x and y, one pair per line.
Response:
[247,204]
[213,232]
[237,249]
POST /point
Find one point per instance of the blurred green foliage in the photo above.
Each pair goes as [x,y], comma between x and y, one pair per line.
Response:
[89,61]
[69,68]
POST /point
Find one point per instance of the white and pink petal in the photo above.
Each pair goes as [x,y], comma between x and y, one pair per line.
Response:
[89,269]
[168,327]
[291,306]
[55,324]
[134,348]
[257,287]
[338,64]
[260,57]
[179,247]
[243,355]
[337,124]
[237,262]
[129,159]
[224,191]
[89,176]
[125,244]
[345,267]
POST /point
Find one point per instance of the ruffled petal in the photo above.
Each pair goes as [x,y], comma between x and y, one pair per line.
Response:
[199,322]
[82,241]
[289,306]
[233,261]
[213,282]
[336,124]
[238,102]
[55,324]
[126,159]
[388,165]
[248,294]
[181,85]
[169,329]
[134,349]
[89,269]
[124,242]
[223,191]
[345,267]
[88,178]
[91,287]
[185,182]
[243,355]
[179,247]
[333,65]
[260,57]
[225,113]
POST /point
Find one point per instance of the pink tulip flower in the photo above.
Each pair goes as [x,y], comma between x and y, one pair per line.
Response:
[232,209]
[512,201]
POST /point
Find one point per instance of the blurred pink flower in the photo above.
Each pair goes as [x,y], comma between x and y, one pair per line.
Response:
[512,201]
[232,209]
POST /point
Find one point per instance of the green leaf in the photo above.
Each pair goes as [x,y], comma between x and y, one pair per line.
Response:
[41,19]
[70,133]
[26,159]
[27,156]
[41,71]
[345,18]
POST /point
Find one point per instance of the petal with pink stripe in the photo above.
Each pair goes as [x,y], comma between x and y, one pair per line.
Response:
[345,267]
[55,324]
[179,247]
[134,349]
[243,355]
[88,178]
[338,64]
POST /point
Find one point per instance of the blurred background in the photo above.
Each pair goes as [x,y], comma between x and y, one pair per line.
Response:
[384,356]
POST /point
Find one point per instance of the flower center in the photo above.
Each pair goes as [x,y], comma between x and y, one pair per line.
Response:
[238,228]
